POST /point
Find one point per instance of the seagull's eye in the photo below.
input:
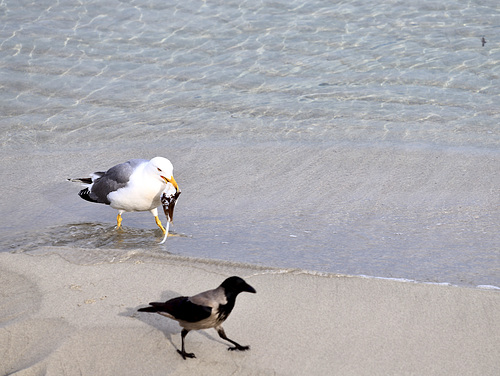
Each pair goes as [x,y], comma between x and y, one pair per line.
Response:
[159,169]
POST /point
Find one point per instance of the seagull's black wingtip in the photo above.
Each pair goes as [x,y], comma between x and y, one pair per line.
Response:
[85,194]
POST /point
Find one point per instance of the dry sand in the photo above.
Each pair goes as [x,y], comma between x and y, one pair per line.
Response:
[60,318]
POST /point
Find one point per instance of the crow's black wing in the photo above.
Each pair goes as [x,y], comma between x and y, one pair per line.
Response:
[180,308]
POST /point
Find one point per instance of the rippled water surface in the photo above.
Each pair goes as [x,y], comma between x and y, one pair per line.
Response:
[355,137]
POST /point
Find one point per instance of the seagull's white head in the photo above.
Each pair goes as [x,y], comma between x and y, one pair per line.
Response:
[163,167]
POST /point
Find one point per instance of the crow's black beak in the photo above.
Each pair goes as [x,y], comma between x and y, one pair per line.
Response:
[249,288]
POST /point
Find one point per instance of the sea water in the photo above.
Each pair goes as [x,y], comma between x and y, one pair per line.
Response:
[357,137]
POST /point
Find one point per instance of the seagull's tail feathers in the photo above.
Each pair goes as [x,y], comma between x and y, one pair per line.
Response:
[81,180]
[90,180]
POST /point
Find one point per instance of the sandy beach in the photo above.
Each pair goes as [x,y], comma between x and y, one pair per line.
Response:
[63,318]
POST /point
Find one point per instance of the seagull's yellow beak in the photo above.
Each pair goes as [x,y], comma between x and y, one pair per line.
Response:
[172,181]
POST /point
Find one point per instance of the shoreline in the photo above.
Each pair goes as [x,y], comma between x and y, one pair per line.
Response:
[62,318]
[117,255]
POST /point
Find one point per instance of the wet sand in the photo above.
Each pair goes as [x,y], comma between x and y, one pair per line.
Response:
[416,213]
[59,317]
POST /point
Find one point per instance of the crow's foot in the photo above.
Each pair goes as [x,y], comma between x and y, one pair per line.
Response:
[186,355]
[239,348]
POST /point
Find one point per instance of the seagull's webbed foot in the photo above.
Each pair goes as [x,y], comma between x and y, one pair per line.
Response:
[186,354]
[237,346]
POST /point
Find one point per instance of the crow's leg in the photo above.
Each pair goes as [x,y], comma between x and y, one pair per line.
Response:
[183,352]
[237,346]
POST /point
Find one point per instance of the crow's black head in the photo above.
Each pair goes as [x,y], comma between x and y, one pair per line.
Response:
[235,285]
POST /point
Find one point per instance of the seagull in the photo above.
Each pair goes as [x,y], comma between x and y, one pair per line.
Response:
[205,310]
[135,185]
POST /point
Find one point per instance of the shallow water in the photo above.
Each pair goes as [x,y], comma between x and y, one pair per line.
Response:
[347,137]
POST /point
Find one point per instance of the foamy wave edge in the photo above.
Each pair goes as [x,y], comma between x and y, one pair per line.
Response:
[84,256]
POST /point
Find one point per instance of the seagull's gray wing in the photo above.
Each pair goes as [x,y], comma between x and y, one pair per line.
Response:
[115,178]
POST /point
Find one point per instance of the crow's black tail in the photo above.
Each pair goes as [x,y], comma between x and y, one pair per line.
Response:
[149,309]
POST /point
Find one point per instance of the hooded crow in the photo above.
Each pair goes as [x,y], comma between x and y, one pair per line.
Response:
[205,310]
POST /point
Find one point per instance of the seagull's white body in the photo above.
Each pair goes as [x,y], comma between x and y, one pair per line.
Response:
[142,192]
